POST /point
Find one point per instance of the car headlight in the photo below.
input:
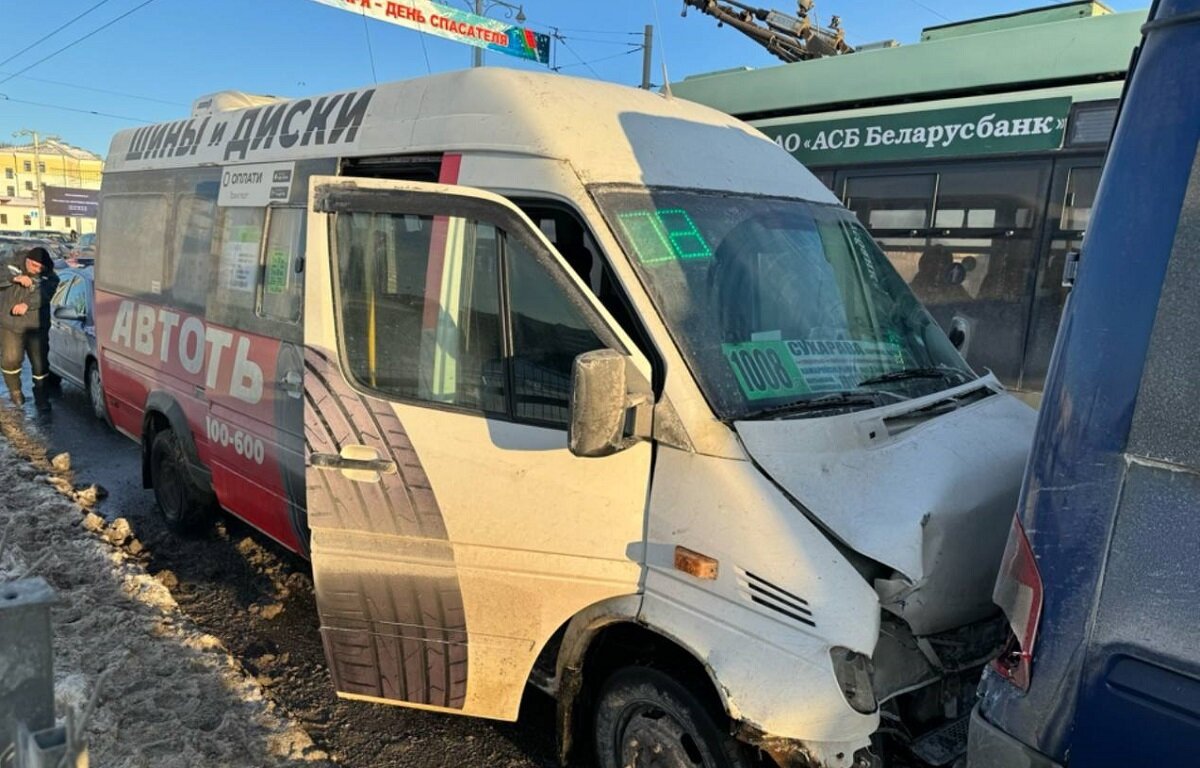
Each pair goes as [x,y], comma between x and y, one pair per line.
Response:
[853,673]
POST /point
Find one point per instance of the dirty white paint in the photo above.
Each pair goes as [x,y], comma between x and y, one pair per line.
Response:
[934,502]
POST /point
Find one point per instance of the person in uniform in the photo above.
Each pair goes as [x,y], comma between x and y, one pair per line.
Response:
[27,282]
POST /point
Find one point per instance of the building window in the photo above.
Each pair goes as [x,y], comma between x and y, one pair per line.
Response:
[3,218]
[29,186]
[12,191]
[8,173]
[49,222]
[41,167]
[28,166]
[28,221]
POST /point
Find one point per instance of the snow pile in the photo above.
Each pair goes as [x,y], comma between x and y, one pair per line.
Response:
[173,696]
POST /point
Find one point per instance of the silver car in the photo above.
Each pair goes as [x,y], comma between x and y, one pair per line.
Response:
[73,335]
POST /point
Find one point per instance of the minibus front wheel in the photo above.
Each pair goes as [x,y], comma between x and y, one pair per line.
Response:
[185,508]
[646,717]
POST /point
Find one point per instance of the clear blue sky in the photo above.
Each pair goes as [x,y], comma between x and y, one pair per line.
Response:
[171,51]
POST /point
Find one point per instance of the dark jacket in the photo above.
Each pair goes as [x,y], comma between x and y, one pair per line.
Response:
[37,298]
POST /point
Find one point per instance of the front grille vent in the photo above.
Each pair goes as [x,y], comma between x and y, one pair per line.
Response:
[762,592]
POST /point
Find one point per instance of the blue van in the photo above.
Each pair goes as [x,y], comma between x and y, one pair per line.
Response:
[1101,577]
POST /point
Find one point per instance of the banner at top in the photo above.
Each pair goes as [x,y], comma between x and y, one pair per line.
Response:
[454,24]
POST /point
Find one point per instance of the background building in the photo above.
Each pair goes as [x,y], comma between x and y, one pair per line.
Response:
[32,177]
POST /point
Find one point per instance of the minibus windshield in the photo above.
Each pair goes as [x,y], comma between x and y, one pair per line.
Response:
[779,304]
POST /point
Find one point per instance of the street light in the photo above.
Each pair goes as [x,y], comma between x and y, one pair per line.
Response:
[481,9]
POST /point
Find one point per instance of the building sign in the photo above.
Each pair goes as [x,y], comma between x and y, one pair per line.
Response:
[1017,126]
[458,25]
[66,201]
[255,185]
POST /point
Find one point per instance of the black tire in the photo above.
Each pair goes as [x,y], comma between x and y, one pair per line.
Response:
[185,508]
[95,391]
[645,718]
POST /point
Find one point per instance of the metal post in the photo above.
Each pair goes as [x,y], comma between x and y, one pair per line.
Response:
[647,54]
[26,659]
[37,176]
[477,52]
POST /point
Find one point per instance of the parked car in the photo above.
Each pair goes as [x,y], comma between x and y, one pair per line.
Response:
[11,233]
[73,335]
[84,251]
[47,234]
[1099,580]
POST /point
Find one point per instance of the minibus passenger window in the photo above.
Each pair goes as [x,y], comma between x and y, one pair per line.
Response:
[282,285]
[194,224]
[135,243]
[418,303]
[238,266]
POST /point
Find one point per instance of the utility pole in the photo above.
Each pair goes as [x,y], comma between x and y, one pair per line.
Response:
[647,54]
[476,51]
[37,174]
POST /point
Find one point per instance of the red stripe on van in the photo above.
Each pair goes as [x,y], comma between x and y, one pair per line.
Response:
[437,248]
[449,170]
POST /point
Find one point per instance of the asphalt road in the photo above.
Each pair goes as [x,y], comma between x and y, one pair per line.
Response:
[257,599]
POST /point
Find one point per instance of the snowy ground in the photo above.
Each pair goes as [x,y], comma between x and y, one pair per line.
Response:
[231,590]
[173,695]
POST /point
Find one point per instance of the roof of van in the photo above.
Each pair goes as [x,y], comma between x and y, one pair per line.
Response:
[609,133]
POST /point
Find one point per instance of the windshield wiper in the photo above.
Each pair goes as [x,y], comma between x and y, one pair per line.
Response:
[916,373]
[816,404]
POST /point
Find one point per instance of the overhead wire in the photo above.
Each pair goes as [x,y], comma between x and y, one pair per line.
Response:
[605,42]
[370,51]
[602,58]
[105,91]
[560,38]
[6,98]
[78,40]
[52,33]
[939,14]
[424,51]
[662,46]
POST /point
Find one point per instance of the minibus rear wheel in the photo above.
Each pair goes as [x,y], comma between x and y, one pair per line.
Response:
[646,717]
[184,507]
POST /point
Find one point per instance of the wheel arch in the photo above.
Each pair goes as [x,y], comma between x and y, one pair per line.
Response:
[163,412]
[599,641]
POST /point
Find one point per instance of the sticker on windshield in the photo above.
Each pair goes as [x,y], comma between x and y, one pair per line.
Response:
[765,369]
[839,365]
[776,368]
[664,235]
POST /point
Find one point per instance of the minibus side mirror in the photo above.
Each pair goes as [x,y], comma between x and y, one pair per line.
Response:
[606,416]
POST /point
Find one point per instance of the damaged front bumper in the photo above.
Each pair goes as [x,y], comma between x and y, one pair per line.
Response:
[926,686]
[797,753]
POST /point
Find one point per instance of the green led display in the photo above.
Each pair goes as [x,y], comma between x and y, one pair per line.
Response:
[664,235]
